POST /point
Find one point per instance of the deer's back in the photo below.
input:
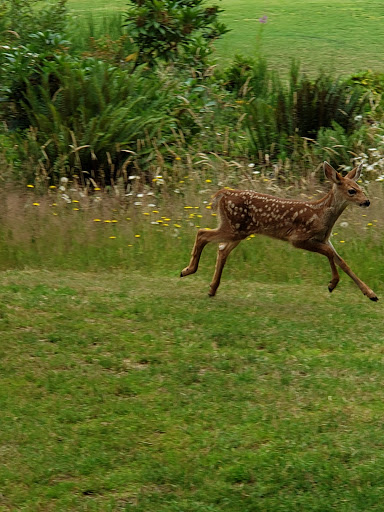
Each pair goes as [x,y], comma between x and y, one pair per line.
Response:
[246,212]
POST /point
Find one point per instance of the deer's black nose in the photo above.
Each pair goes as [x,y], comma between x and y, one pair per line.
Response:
[366,203]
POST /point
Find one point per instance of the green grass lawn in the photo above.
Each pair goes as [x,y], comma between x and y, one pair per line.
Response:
[342,36]
[128,391]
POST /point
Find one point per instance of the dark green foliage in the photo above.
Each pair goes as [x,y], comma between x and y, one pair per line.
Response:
[171,30]
[247,77]
[81,105]
[87,115]
[20,18]
[282,114]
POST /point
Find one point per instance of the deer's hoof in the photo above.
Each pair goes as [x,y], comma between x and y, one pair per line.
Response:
[375,299]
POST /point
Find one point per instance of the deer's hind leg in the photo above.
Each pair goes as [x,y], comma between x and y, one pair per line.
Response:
[222,254]
[203,237]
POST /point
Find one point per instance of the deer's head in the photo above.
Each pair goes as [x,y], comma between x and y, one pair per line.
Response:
[345,187]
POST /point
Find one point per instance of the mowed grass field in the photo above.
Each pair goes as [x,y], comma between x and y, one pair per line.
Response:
[342,36]
[126,388]
[126,391]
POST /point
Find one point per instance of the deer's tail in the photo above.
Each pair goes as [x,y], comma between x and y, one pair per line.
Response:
[216,198]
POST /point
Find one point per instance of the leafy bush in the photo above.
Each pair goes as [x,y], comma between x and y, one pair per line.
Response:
[166,30]
[86,115]
[23,67]
[247,77]
[301,109]
[20,18]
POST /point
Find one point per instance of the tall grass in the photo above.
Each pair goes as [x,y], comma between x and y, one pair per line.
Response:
[154,232]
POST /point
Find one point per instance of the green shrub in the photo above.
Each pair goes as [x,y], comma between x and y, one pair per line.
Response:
[87,116]
[301,109]
[171,30]
[20,18]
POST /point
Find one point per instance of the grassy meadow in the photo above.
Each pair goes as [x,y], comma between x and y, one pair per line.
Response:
[130,391]
[127,388]
[342,37]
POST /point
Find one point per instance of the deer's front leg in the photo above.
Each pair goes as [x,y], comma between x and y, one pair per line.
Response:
[328,250]
[363,287]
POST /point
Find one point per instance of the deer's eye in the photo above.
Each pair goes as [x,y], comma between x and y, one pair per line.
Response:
[351,191]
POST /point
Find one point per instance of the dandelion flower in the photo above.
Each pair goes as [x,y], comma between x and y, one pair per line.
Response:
[137,236]
[208,181]
[52,186]
[112,237]
[114,220]
[177,225]
[342,241]
[31,186]
[36,204]
[369,224]
[107,221]
[96,220]
[76,209]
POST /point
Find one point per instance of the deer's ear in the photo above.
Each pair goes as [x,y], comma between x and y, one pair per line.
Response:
[332,174]
[355,173]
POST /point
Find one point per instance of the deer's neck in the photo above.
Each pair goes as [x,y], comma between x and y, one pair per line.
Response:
[331,207]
